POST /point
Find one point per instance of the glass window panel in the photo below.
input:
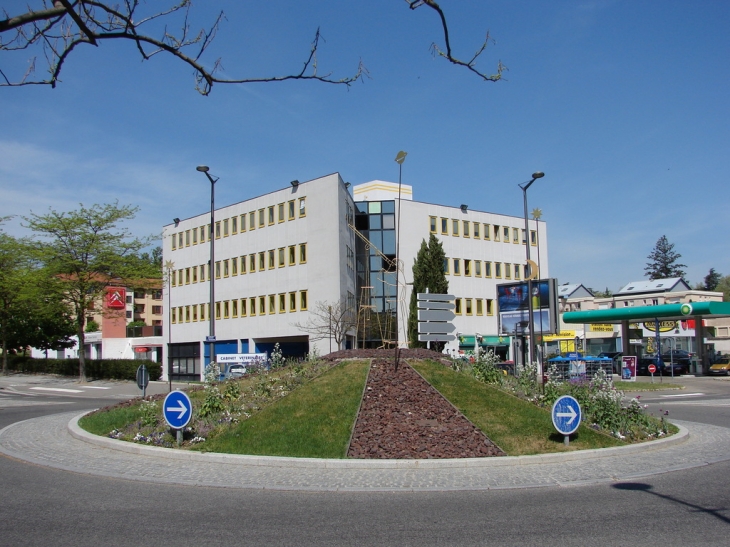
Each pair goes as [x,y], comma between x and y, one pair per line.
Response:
[374,207]
[388,206]
[388,222]
[389,242]
[376,222]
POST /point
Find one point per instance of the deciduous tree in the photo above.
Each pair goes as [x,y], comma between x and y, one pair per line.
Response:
[88,252]
[329,320]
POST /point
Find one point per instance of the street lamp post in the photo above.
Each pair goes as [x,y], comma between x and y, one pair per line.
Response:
[531,320]
[399,159]
[211,264]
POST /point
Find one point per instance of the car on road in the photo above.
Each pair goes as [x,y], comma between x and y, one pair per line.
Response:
[721,366]
[663,368]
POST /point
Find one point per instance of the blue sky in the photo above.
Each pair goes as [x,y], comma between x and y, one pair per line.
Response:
[623,104]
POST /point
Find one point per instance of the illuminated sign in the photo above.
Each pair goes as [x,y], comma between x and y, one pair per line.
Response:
[513,303]
[664,326]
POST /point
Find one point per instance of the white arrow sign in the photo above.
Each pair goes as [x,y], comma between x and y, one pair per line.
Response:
[182,409]
[571,414]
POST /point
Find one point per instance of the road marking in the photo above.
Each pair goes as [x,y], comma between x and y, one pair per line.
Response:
[95,387]
[58,389]
[682,395]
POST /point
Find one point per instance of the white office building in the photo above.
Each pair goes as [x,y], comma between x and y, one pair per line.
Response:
[281,256]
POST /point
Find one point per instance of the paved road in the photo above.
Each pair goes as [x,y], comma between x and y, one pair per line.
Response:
[47,505]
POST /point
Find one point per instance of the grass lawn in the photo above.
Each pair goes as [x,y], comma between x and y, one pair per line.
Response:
[516,426]
[313,421]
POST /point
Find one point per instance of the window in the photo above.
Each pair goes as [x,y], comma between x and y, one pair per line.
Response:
[187,314]
[174,242]
[234,308]
[271,215]
[187,276]
[467,267]
[202,273]
[466,229]
[243,307]
[303,300]
[272,303]
[302,253]
[507,271]
[262,305]
[218,229]
[173,315]
[477,229]
[261,218]
[291,210]
[156,310]
[252,306]
[487,269]
[195,313]
[292,301]
[292,255]
[496,233]
[226,268]
[517,271]
[302,207]
[226,309]
[217,269]
[445,226]
[262,261]
[468,306]
[180,277]
[446,265]
[234,225]
[457,303]
[432,224]
[477,268]
[497,269]
[180,240]
[515,235]
[195,236]
[225,227]
[490,306]
[217,310]
[505,231]
[252,263]
[282,303]
[524,237]
[533,237]
[480,306]
[487,232]
[457,266]
[252,220]
[187,238]
[243,222]
[282,260]
[281,212]
[272,262]
[455,227]
[234,266]
[205,312]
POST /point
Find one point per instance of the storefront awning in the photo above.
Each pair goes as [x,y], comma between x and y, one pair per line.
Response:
[468,340]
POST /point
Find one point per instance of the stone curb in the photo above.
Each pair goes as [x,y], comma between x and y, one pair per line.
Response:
[316,463]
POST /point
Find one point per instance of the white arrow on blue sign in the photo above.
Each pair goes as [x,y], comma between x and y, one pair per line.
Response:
[566,414]
[177,409]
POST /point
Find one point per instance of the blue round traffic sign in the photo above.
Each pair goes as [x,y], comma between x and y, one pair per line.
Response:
[177,409]
[566,415]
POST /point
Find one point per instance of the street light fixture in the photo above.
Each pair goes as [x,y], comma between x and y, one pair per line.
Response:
[399,159]
[531,320]
[211,264]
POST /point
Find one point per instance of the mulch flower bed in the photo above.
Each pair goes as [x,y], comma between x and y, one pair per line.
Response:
[403,417]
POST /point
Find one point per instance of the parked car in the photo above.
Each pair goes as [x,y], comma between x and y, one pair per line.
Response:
[663,367]
[721,366]
[235,371]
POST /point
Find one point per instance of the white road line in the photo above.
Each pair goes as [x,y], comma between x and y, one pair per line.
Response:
[682,395]
[94,387]
[57,389]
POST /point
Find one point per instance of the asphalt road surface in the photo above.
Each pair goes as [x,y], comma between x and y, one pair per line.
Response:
[46,506]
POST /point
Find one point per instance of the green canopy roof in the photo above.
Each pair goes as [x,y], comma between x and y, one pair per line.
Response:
[638,313]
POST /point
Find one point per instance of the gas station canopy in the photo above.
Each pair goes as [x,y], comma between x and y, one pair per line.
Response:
[705,310]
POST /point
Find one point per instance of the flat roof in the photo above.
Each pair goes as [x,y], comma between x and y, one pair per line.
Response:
[637,313]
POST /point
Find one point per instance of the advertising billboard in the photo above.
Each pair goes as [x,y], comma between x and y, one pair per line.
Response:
[513,307]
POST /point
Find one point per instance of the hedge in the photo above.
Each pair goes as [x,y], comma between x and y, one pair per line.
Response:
[98,369]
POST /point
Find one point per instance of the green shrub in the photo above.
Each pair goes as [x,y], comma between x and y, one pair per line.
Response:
[99,369]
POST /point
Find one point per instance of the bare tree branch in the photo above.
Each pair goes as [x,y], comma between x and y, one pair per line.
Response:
[63,25]
[329,320]
[436,50]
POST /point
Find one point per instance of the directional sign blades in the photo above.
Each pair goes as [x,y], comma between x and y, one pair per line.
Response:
[435,315]
[436,337]
[435,305]
[427,328]
[433,297]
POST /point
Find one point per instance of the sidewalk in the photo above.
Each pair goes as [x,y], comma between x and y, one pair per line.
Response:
[56,441]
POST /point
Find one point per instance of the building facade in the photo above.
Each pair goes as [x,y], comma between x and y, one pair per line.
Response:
[280,256]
